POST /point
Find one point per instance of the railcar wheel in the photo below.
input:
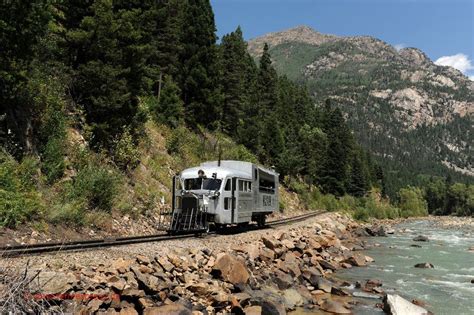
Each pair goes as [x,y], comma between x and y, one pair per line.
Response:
[261,221]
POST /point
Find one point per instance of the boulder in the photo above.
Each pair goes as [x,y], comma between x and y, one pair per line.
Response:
[50,282]
[272,307]
[165,264]
[282,279]
[415,245]
[365,295]
[424,265]
[253,310]
[396,305]
[472,281]
[170,309]
[421,238]
[357,259]
[122,265]
[334,307]
[271,242]
[230,269]
[328,265]
[321,283]
[292,298]
[144,260]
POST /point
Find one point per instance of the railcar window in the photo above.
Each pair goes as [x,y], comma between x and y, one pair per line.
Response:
[227,184]
[228,203]
[241,185]
[200,183]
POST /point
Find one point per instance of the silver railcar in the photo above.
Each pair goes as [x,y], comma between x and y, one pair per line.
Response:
[222,193]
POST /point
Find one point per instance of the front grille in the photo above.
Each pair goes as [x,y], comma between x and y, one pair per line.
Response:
[189,203]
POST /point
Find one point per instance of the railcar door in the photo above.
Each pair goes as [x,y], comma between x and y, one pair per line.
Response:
[228,199]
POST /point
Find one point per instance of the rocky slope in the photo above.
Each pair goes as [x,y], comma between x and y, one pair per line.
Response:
[263,272]
[413,114]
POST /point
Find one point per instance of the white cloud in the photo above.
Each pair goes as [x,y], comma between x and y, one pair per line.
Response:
[458,61]
[400,46]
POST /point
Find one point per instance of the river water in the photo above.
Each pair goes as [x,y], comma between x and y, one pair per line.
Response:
[446,289]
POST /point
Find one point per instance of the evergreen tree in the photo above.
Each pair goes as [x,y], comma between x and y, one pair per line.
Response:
[23,24]
[334,173]
[200,68]
[235,65]
[169,108]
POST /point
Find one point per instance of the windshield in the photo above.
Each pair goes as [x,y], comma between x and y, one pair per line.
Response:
[202,183]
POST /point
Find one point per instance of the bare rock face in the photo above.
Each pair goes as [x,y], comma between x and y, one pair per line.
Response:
[414,56]
[231,269]
[396,305]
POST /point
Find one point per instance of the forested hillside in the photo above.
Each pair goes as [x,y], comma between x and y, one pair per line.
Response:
[414,116]
[102,101]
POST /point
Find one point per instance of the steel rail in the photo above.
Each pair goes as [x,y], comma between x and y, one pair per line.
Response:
[23,250]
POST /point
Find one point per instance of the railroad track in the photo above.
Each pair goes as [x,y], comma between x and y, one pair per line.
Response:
[23,250]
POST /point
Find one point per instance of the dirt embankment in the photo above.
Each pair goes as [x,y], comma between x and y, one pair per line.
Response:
[262,272]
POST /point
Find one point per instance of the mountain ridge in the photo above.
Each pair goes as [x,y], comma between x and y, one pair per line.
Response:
[400,104]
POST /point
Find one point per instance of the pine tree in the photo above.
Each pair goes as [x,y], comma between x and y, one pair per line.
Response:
[200,69]
[169,108]
[235,66]
[23,24]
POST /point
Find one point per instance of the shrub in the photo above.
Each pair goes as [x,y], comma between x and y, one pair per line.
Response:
[412,202]
[98,186]
[72,212]
[361,214]
[18,207]
[18,203]
[126,154]
[53,159]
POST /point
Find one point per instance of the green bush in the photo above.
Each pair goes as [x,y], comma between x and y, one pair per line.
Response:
[98,186]
[412,202]
[18,201]
[18,207]
[126,154]
[72,213]
[361,214]
[53,159]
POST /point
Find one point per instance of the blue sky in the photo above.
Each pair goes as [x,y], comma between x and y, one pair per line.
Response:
[443,29]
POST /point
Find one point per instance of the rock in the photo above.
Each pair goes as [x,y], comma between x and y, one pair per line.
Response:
[266,254]
[421,238]
[165,264]
[128,311]
[271,307]
[116,283]
[357,259]
[282,280]
[396,305]
[365,295]
[230,269]
[288,243]
[328,265]
[340,291]
[271,242]
[144,260]
[371,283]
[198,288]
[334,307]
[253,310]
[122,265]
[170,309]
[292,298]
[472,281]
[242,297]
[376,231]
[49,282]
[415,245]
[321,283]
[424,265]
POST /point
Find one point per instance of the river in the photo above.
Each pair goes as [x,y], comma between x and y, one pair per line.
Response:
[446,289]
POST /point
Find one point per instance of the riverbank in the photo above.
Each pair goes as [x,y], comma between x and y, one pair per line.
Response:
[273,270]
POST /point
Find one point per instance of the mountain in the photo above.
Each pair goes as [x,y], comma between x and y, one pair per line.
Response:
[413,115]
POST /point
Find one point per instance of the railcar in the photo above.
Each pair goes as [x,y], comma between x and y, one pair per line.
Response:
[221,193]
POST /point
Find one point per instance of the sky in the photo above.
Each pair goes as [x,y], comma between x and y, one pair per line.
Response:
[443,29]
